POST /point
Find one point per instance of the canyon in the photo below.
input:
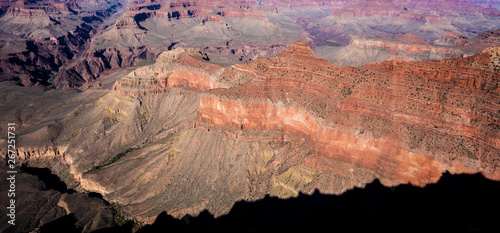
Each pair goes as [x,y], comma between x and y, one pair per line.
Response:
[184,135]
[130,112]
[69,44]
[39,38]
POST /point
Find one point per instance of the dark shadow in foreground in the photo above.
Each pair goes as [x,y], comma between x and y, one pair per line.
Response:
[52,181]
[456,203]
[62,224]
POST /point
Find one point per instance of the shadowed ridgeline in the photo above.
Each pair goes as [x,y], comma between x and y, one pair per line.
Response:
[456,203]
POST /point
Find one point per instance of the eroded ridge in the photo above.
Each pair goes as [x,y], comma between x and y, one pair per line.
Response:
[406,121]
[184,135]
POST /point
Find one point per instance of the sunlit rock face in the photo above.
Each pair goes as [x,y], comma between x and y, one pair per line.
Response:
[190,106]
[184,135]
[167,73]
[362,50]
[386,121]
[69,44]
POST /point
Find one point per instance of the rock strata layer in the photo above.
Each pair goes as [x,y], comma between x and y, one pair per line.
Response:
[69,44]
[184,135]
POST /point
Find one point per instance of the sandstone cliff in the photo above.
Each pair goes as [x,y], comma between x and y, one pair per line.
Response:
[362,50]
[184,135]
[353,104]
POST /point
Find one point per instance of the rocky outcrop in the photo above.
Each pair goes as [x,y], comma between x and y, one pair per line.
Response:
[52,34]
[173,135]
[164,75]
[186,68]
[21,12]
[126,22]
[88,69]
[374,154]
[454,39]
[332,136]
[46,204]
[230,32]
[465,72]
[430,20]
[362,50]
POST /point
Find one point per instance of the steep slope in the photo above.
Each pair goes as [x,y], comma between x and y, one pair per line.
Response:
[44,201]
[230,31]
[353,104]
[362,50]
[429,20]
[46,36]
[360,32]
[366,49]
[69,44]
[185,135]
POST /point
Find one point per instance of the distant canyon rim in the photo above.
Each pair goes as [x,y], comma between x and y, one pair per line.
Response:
[69,44]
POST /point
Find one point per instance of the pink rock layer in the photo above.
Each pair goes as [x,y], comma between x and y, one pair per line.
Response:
[405,121]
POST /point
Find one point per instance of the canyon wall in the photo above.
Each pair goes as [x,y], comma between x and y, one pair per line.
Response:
[395,125]
[47,36]
[69,44]
[183,135]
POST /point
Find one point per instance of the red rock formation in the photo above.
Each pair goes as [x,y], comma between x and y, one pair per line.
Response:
[440,17]
[280,125]
[22,12]
[362,50]
[384,156]
[265,31]
[455,39]
[212,18]
[135,85]
[126,22]
[418,135]
[411,39]
[166,74]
